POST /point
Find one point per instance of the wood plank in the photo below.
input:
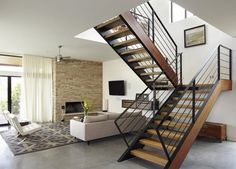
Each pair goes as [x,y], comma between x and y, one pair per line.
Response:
[150,156]
[149,46]
[118,34]
[146,66]
[166,133]
[140,59]
[164,79]
[109,22]
[133,51]
[150,73]
[222,85]
[126,43]
[188,99]
[196,91]
[177,115]
[180,115]
[183,106]
[174,124]
[151,142]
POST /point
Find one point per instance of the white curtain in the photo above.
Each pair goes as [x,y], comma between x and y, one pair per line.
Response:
[37,77]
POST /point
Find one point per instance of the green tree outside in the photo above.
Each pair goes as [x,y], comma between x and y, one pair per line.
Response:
[16,99]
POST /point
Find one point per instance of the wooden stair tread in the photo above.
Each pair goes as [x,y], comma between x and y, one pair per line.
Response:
[108,22]
[146,66]
[162,80]
[180,115]
[188,99]
[173,124]
[118,34]
[150,156]
[150,73]
[126,43]
[140,59]
[151,142]
[196,91]
[166,133]
[183,106]
[177,115]
[133,51]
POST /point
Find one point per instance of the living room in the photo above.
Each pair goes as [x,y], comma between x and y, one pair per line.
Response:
[50,76]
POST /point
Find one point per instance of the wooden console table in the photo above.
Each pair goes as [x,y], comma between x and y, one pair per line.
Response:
[145,105]
[214,130]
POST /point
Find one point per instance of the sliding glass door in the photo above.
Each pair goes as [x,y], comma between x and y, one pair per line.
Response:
[10,92]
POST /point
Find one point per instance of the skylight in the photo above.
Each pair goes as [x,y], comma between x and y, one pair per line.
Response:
[92,35]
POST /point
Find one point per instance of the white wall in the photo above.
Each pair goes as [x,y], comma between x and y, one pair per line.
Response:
[118,70]
[193,58]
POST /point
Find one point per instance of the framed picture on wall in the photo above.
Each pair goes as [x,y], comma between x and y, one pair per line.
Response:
[195,36]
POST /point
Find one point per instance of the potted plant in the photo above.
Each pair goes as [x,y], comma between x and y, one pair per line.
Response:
[86,106]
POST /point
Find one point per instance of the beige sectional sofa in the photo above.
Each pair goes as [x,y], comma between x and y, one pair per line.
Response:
[102,125]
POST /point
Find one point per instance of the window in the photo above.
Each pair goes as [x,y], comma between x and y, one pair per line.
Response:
[178,13]
[10,86]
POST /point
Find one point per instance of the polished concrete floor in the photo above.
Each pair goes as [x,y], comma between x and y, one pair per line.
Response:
[103,154]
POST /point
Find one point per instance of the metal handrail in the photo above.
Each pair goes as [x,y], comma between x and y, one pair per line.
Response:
[207,70]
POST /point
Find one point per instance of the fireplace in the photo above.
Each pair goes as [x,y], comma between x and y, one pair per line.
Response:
[73,107]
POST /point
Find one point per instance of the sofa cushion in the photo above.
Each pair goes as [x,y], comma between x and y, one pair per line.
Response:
[89,119]
[133,114]
[112,116]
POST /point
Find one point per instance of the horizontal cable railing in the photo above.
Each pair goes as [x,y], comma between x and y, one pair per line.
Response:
[193,99]
[143,109]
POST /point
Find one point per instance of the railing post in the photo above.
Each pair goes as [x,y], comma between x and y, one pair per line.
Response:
[181,69]
[176,66]
[153,30]
[154,98]
[193,101]
[218,54]
[230,64]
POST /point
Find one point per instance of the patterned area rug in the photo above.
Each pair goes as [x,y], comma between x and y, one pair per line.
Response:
[50,136]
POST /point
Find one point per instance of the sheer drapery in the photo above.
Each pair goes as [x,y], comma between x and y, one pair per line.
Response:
[37,78]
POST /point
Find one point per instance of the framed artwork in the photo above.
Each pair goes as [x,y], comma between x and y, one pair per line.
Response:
[195,36]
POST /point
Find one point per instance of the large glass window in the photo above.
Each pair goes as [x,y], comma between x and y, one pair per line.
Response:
[178,13]
[15,94]
[10,90]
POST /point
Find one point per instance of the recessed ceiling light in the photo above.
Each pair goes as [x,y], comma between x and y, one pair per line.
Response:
[92,35]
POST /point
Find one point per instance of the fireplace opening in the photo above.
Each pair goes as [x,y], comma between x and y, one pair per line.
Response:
[73,107]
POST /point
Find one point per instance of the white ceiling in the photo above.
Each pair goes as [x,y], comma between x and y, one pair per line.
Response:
[219,13]
[38,26]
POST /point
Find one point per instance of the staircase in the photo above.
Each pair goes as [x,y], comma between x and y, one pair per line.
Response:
[164,133]
[134,37]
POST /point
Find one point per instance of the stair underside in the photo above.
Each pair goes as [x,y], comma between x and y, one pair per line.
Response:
[140,59]
[126,43]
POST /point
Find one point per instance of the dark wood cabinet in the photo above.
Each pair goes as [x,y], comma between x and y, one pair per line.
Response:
[214,130]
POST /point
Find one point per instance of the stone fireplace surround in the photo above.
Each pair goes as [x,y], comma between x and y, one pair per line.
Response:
[76,80]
